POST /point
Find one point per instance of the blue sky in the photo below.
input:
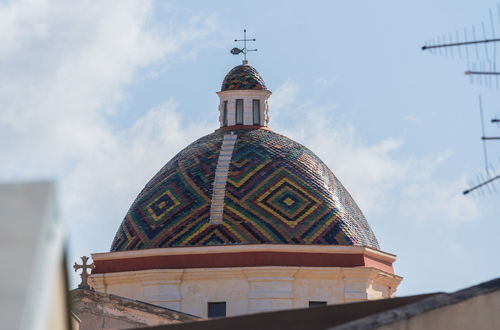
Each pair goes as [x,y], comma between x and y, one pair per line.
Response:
[99,96]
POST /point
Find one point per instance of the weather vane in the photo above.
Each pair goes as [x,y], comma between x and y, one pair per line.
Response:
[244,50]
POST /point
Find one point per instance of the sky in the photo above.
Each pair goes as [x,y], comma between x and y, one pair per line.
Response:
[98,96]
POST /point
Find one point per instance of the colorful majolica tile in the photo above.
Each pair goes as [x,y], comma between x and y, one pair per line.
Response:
[277,191]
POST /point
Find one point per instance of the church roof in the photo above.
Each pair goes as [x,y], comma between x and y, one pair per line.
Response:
[243,77]
[100,307]
[277,192]
[331,317]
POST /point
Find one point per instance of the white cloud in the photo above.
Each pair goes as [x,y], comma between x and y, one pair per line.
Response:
[326,82]
[108,178]
[283,97]
[412,119]
[378,181]
[64,68]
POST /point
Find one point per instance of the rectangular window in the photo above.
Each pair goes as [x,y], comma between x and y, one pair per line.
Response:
[256,112]
[217,309]
[317,303]
[239,111]
[224,115]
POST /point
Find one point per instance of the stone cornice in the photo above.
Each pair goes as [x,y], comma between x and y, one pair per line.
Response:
[333,249]
[211,257]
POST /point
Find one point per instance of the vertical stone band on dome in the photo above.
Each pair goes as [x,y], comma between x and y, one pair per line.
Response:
[221,171]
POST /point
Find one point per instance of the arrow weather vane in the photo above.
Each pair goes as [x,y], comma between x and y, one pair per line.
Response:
[244,50]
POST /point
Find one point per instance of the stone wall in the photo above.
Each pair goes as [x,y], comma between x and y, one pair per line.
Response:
[248,289]
[478,313]
[99,311]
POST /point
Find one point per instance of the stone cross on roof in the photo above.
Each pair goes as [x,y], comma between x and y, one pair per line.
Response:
[84,275]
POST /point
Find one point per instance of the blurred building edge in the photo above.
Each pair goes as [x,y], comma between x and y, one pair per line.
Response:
[99,310]
[33,280]
[475,307]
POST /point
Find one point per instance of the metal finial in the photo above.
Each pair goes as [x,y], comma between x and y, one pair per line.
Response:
[84,275]
[244,50]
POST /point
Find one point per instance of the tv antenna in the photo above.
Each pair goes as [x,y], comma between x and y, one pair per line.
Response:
[481,54]
[478,46]
[244,50]
[490,172]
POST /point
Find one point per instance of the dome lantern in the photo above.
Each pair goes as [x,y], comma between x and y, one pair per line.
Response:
[243,99]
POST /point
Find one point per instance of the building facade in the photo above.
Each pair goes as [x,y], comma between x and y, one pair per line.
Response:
[244,220]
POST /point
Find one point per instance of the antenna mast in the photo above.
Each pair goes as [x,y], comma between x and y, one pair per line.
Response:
[484,48]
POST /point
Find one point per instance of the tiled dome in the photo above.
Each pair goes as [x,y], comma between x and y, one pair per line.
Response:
[277,191]
[243,77]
